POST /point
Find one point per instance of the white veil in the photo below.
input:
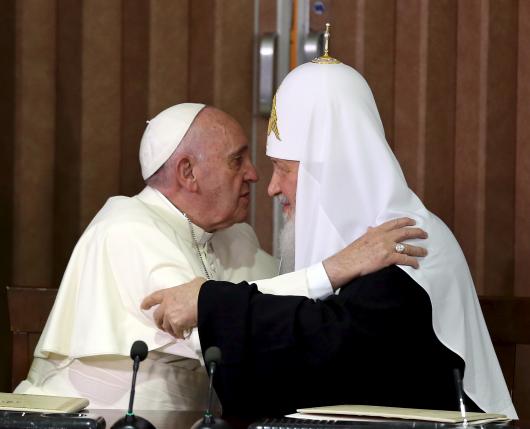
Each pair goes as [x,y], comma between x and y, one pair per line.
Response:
[325,116]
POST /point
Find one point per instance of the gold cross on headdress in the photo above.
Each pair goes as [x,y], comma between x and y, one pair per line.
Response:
[273,121]
[326,59]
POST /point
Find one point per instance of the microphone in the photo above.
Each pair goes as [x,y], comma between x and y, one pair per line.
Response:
[130,421]
[212,359]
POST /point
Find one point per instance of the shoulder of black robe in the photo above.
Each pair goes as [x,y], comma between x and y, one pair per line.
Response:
[371,344]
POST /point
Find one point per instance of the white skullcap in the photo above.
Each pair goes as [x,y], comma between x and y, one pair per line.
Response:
[164,133]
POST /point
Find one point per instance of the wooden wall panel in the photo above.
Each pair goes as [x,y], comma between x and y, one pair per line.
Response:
[438,174]
[168,54]
[263,223]
[346,21]
[134,91]
[7,136]
[201,51]
[522,168]
[410,90]
[500,148]
[34,142]
[101,106]
[521,393]
[470,137]
[68,132]
[233,58]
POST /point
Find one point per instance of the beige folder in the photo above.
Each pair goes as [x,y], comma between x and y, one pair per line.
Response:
[41,403]
[400,413]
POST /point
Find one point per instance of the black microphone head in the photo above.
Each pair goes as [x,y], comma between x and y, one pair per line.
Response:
[139,350]
[213,354]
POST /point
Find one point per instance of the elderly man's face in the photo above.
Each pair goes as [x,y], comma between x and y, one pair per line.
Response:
[283,184]
[227,172]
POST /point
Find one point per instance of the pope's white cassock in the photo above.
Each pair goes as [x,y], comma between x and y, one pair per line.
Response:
[133,247]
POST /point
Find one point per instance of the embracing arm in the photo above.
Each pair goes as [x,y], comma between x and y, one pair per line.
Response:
[374,250]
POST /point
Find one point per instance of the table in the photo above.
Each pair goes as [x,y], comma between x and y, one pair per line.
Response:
[185,419]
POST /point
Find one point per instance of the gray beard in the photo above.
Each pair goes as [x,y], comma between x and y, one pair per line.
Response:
[287,245]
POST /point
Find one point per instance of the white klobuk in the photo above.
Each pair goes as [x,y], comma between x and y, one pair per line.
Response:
[325,116]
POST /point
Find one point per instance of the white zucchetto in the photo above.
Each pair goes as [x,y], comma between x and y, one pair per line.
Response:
[164,133]
[325,116]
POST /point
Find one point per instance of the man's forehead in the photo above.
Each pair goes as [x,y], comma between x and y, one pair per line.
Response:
[238,148]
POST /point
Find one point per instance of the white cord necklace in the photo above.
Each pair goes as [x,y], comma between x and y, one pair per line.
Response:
[196,243]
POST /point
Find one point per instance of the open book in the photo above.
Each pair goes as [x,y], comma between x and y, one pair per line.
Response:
[41,403]
[343,411]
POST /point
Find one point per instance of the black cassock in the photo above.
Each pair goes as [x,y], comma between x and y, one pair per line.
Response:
[371,344]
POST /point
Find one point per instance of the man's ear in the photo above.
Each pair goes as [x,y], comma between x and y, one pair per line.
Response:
[185,176]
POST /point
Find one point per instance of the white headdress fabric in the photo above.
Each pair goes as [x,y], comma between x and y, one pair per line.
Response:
[348,180]
[163,134]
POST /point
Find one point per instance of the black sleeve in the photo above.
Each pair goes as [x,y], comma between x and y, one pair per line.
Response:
[373,343]
[276,349]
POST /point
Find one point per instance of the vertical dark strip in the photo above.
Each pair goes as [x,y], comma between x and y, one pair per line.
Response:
[263,213]
[379,53]
[7,137]
[135,87]
[469,136]
[440,116]
[68,132]
[409,106]
[500,148]
[233,59]
[522,186]
[345,31]
[201,55]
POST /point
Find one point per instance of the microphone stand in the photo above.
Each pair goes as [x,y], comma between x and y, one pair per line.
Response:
[209,421]
[130,421]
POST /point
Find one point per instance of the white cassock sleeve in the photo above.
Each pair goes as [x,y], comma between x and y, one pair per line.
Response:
[112,268]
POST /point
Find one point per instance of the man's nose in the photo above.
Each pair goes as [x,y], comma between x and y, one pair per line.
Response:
[273,188]
[251,173]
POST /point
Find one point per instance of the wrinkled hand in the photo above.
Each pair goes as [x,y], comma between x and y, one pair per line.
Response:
[177,307]
[375,250]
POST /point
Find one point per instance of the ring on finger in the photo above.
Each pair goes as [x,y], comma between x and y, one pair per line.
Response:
[399,247]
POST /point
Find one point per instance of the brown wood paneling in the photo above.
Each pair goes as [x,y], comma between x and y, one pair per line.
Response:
[379,42]
[68,132]
[508,321]
[500,148]
[425,97]
[506,356]
[7,124]
[100,106]
[21,357]
[233,59]
[40,300]
[263,205]
[522,184]
[521,391]
[168,54]
[410,90]
[508,318]
[27,326]
[470,138]
[201,51]
[347,32]
[440,116]
[34,142]
[134,77]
